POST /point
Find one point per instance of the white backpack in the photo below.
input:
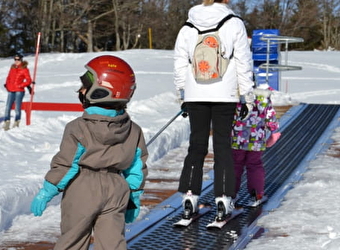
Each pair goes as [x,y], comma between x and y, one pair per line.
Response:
[208,63]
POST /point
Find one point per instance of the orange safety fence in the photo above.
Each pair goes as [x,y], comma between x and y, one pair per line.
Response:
[48,106]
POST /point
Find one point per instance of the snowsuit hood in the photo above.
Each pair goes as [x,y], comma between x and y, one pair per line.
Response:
[207,16]
[262,92]
[108,130]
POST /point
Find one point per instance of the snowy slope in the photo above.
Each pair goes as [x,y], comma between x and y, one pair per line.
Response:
[25,152]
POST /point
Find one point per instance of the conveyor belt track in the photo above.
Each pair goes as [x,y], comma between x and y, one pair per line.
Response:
[280,161]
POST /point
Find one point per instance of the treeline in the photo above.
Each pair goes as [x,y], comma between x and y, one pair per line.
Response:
[110,25]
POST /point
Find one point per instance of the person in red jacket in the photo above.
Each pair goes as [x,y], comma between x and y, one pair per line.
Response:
[18,78]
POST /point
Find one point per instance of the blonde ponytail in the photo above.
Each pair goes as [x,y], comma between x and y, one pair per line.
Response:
[208,2]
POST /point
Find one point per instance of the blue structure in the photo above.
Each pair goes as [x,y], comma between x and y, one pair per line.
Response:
[264,52]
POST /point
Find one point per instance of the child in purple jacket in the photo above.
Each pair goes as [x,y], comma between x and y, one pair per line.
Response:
[249,140]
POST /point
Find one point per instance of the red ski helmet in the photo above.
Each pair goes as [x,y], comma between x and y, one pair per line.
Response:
[108,79]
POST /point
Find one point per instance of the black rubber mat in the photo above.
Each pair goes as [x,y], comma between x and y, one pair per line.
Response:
[280,161]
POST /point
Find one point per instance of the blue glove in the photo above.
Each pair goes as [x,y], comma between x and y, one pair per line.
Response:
[134,174]
[40,201]
[134,177]
[132,214]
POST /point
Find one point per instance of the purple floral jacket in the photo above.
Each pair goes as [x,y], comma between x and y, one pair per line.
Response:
[250,134]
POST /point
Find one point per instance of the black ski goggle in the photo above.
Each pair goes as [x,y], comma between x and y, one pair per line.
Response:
[87,79]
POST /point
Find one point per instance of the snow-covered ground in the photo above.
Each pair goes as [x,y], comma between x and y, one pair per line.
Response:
[25,152]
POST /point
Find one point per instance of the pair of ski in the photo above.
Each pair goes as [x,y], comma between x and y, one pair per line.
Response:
[215,224]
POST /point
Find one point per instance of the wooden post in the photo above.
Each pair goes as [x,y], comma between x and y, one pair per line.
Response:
[150,38]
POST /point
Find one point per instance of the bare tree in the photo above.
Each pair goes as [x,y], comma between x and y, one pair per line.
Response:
[330,23]
[304,22]
[95,25]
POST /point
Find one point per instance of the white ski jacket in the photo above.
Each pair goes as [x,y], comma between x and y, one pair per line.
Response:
[238,78]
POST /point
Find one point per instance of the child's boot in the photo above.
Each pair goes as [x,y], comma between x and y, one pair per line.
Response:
[257,198]
[190,205]
[225,207]
[16,123]
[6,125]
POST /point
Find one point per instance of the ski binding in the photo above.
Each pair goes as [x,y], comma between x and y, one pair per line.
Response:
[203,209]
[220,224]
[257,203]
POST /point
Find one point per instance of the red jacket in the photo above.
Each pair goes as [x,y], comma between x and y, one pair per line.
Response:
[18,78]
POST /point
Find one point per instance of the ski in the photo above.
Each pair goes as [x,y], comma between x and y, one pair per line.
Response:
[203,209]
[220,224]
[257,203]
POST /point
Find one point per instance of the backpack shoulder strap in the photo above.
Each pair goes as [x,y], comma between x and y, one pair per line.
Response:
[192,26]
[219,25]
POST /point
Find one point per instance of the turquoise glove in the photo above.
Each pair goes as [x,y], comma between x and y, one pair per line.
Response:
[134,174]
[43,197]
[134,177]
[132,214]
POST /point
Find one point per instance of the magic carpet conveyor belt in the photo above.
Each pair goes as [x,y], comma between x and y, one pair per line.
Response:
[300,133]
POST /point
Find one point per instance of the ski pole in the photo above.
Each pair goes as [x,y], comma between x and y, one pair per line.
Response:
[164,127]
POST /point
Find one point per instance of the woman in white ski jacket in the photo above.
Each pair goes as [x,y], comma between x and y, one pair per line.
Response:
[212,103]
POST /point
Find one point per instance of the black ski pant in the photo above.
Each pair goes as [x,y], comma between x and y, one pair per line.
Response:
[203,116]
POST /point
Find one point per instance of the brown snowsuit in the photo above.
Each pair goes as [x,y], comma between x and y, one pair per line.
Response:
[94,150]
